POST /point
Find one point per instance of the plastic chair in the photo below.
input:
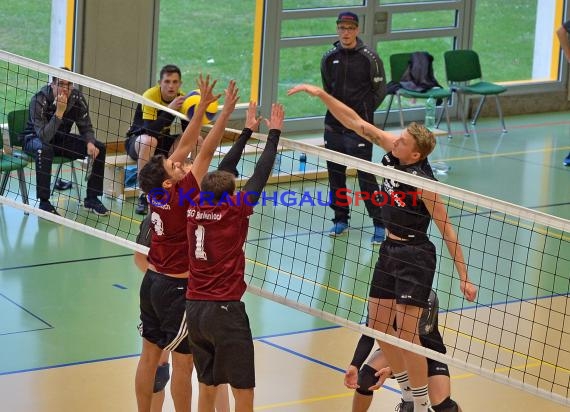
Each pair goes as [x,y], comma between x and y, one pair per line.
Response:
[9,163]
[398,65]
[462,68]
[17,120]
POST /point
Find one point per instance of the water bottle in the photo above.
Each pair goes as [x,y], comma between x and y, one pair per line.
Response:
[430,113]
[277,164]
[302,162]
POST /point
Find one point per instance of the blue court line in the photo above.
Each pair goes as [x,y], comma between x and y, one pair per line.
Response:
[300,355]
[318,362]
[25,331]
[62,262]
[26,310]
[63,365]
[506,302]
[298,332]
[263,339]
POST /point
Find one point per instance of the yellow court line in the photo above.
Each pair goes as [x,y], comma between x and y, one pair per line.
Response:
[340,292]
[499,217]
[502,348]
[349,394]
[303,401]
[507,350]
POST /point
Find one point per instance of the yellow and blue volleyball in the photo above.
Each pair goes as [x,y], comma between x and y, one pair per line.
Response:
[192,101]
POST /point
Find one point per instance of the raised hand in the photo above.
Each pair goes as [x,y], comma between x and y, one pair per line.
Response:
[252,120]
[207,90]
[277,116]
[231,97]
[307,88]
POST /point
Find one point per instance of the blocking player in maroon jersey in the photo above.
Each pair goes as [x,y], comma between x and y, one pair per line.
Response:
[218,325]
[162,294]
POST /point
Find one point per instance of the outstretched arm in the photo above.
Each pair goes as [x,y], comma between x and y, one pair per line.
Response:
[212,140]
[189,138]
[348,117]
[441,219]
[262,170]
[231,159]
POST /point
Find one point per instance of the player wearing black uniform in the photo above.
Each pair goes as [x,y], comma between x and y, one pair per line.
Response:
[365,379]
[406,263]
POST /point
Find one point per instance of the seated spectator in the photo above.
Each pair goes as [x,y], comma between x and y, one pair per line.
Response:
[53,111]
[150,131]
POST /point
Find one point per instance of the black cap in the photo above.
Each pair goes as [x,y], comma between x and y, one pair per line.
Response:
[347,17]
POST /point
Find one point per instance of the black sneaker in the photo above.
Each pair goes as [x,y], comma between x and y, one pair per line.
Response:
[48,207]
[142,205]
[63,184]
[404,406]
[95,206]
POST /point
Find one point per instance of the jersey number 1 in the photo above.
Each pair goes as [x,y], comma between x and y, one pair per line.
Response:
[200,233]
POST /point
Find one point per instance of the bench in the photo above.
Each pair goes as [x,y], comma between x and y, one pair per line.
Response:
[114,178]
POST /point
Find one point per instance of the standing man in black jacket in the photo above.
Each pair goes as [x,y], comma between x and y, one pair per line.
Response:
[53,111]
[354,74]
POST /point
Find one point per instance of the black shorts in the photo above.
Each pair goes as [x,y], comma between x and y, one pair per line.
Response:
[221,342]
[162,147]
[404,272]
[434,341]
[163,315]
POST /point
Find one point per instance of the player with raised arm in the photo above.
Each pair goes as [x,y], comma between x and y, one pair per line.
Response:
[162,295]
[407,260]
[218,325]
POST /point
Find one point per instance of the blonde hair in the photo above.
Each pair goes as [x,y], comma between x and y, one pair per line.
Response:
[424,138]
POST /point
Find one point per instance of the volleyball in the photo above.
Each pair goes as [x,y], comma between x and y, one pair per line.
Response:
[192,101]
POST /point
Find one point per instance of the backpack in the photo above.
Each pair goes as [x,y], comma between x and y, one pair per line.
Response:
[419,77]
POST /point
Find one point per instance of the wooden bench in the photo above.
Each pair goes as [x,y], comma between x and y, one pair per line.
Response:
[114,179]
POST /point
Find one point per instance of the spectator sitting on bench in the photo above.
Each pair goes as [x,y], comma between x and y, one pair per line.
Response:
[150,131]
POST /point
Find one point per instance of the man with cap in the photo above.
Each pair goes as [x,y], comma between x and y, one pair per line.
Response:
[354,74]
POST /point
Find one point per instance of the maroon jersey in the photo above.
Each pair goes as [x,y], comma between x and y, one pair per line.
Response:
[169,250]
[216,235]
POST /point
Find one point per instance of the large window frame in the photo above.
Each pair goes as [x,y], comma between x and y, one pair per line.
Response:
[375,16]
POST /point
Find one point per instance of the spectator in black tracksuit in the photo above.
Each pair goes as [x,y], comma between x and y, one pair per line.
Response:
[354,74]
[53,111]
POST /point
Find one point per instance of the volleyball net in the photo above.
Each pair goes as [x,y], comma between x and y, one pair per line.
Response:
[516,332]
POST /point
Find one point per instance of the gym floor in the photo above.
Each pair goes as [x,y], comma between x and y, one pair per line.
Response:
[69,301]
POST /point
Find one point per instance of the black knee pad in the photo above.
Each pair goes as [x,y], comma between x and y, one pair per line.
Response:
[428,318]
[366,378]
[437,368]
[161,377]
[448,405]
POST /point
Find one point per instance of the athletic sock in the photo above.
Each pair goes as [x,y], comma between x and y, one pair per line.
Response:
[421,399]
[404,383]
